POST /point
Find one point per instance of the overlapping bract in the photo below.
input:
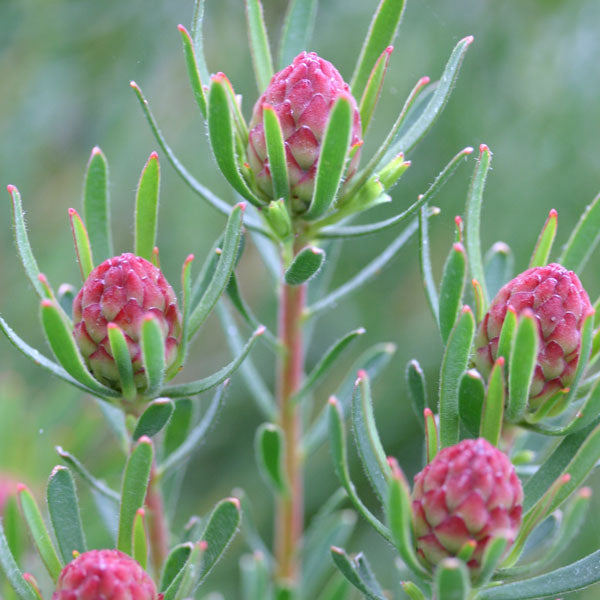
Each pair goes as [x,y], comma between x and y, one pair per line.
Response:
[560,304]
[302,96]
[104,575]
[468,492]
[123,290]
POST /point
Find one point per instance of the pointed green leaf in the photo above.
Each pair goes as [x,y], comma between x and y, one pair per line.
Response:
[63,345]
[120,351]
[269,444]
[178,425]
[583,239]
[493,408]
[13,528]
[12,572]
[259,44]
[543,247]
[276,153]
[473,218]
[368,444]
[193,69]
[22,243]
[452,289]
[196,31]
[471,395]
[454,363]
[140,539]
[452,580]
[223,270]
[255,577]
[82,244]
[412,591]
[307,263]
[153,354]
[494,551]
[431,292]
[196,435]
[221,527]
[373,87]
[297,30]
[249,526]
[332,158]
[323,366]
[372,361]
[65,296]
[173,564]
[521,367]
[507,334]
[432,441]
[39,533]
[349,567]
[187,581]
[221,134]
[381,34]
[146,208]
[415,378]
[364,275]
[133,490]
[202,385]
[64,513]
[154,418]
[479,300]
[498,267]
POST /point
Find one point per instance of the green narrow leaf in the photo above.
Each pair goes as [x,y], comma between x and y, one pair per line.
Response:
[412,591]
[452,580]
[479,300]
[452,289]
[373,87]
[425,262]
[13,574]
[492,556]
[332,158]
[583,239]
[432,441]
[173,564]
[381,34]
[217,203]
[178,425]
[154,418]
[140,540]
[255,577]
[221,527]
[221,134]
[307,263]
[493,408]
[133,490]
[64,513]
[39,533]
[22,243]
[223,270]
[65,296]
[349,568]
[11,519]
[269,444]
[454,364]
[543,247]
[249,526]
[507,334]
[189,575]
[297,30]
[194,388]
[146,208]
[473,218]
[368,444]
[153,354]
[259,44]
[120,352]
[407,138]
[521,366]
[63,346]
[276,153]
[364,275]
[471,396]
[337,440]
[400,520]
[498,266]
[96,207]
[415,378]
[82,244]
[323,366]
[196,31]
[193,69]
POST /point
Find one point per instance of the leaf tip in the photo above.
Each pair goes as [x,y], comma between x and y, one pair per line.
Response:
[96,151]
[468,40]
[181,28]
[389,347]
[21,487]
[134,85]
[553,214]
[468,150]
[500,361]
[46,303]
[389,50]
[483,148]
[202,545]
[466,309]
[260,330]
[236,502]
[144,439]
[458,247]
[56,469]
[424,81]
[11,189]
[153,156]
[141,512]
[333,401]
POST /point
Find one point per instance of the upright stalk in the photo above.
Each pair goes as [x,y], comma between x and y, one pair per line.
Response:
[158,530]
[289,517]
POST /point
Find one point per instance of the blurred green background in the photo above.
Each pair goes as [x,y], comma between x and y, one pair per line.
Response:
[529,88]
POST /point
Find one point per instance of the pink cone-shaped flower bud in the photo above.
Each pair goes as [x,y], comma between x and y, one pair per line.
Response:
[302,95]
[468,493]
[122,290]
[104,575]
[560,304]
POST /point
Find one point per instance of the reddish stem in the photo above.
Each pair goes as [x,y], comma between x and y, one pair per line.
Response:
[158,532]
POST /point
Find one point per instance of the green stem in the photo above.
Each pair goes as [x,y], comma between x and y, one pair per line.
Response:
[290,511]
